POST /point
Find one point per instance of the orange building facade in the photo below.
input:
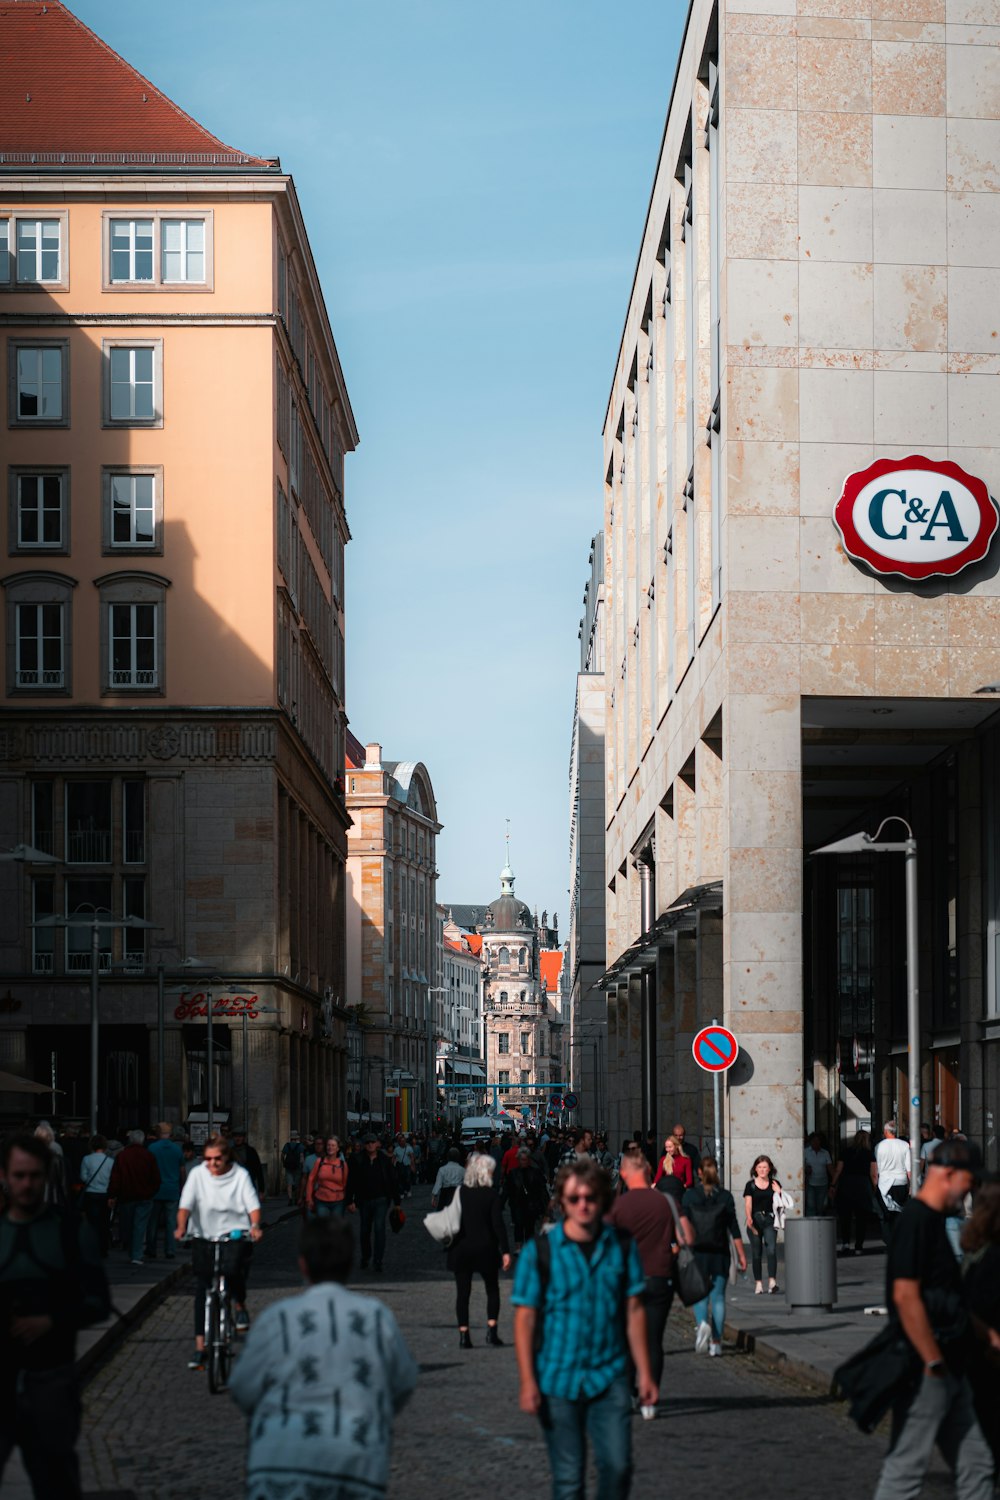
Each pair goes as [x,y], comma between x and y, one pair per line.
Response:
[173,623]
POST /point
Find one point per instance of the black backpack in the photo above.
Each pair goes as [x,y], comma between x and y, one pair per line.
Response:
[710,1220]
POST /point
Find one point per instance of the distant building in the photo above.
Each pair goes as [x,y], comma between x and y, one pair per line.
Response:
[173,607]
[587,1017]
[392,948]
[460,1063]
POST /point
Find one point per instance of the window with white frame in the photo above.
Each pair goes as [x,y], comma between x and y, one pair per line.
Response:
[39,646]
[38,622]
[38,383]
[38,250]
[39,511]
[133,511]
[182,250]
[133,383]
[131,250]
[132,634]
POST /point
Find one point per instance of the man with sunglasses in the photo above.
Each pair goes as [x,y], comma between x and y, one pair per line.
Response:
[580,1288]
[218,1199]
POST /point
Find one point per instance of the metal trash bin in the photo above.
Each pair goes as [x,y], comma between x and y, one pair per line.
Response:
[811,1264]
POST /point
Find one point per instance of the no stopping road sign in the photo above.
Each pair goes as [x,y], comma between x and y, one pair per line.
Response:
[715,1049]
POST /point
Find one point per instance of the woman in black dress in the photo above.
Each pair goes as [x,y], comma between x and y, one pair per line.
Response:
[481,1245]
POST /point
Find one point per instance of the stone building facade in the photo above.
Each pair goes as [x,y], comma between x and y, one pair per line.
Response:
[173,618]
[520,1002]
[392,949]
[813,299]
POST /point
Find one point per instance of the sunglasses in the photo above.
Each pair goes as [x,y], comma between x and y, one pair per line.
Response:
[579,1198]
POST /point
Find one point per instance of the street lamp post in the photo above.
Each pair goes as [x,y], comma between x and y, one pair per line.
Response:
[868,843]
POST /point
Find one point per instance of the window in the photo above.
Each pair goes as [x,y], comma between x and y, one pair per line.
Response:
[503,1042]
[503,997]
[503,956]
[38,628]
[525,1042]
[38,510]
[131,250]
[88,822]
[33,250]
[133,510]
[43,939]
[133,384]
[43,817]
[39,389]
[132,637]
[133,823]
[182,249]
[86,898]
[503,1079]
[524,1077]
[522,957]
[39,646]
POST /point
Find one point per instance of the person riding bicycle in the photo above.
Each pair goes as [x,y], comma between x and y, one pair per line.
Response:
[219,1199]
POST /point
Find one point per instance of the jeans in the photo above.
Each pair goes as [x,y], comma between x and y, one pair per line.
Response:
[766,1238]
[43,1420]
[816,1201]
[941,1412]
[606,1420]
[163,1215]
[716,1301]
[132,1220]
[325,1210]
[373,1216]
[659,1300]
[953,1226]
[463,1291]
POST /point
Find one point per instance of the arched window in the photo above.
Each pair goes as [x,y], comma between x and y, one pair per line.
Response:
[522,957]
[503,997]
[503,956]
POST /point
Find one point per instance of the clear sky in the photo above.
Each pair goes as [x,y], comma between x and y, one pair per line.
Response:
[474,179]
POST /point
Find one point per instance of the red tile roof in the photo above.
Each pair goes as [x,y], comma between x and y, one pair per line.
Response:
[550,966]
[475,942]
[62,89]
[355,752]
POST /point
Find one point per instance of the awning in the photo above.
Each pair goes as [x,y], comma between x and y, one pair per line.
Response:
[10,1083]
[466,1069]
[680,916]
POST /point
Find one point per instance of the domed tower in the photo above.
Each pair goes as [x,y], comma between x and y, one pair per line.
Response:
[514,1009]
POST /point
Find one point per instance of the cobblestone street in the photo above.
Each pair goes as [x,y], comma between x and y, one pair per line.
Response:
[153,1431]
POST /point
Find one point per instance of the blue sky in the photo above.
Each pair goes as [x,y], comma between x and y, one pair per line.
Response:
[474,179]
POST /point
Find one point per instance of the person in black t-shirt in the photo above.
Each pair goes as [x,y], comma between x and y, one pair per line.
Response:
[925,1299]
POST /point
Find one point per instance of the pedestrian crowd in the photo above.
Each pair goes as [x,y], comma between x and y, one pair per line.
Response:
[602,1244]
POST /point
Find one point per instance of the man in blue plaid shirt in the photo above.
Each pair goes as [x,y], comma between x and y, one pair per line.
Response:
[586,1288]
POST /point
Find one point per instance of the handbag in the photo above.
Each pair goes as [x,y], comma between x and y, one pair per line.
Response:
[689,1279]
[445,1224]
[886,1370]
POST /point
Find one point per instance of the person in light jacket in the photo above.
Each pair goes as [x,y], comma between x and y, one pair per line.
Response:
[320,1379]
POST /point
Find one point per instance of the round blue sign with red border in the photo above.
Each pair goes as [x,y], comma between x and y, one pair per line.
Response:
[715,1049]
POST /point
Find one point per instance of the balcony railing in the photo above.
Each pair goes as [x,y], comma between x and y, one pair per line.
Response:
[88,846]
[39,677]
[79,962]
[133,677]
[135,846]
[42,963]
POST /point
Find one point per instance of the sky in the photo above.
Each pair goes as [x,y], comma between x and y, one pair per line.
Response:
[474,179]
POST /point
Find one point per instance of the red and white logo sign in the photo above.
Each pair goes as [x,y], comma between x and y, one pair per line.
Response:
[916,516]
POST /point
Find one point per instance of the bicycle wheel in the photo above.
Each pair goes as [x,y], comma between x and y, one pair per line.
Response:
[226,1334]
[213,1345]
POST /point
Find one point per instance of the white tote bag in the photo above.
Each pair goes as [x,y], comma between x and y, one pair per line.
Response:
[444,1225]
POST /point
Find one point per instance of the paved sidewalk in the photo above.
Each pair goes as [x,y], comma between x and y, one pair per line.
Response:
[810,1346]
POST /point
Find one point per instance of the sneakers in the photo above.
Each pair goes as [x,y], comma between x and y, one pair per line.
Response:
[702,1337]
[197,1360]
[715,1350]
[242,1320]
[136,1263]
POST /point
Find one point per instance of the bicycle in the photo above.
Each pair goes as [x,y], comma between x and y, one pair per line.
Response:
[220,1327]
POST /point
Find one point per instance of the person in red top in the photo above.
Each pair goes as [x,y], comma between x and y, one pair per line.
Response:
[675,1162]
[653,1224]
[326,1187]
[509,1159]
[133,1184]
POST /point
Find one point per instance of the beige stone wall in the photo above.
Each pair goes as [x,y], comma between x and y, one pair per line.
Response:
[856,221]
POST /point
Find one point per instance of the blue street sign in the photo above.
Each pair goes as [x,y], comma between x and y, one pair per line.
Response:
[570,1101]
[715,1049]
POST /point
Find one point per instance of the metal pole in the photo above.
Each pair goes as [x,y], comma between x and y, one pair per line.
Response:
[210,1082]
[913,1003]
[648,1002]
[95,958]
[717,1099]
[160,1096]
[246,1077]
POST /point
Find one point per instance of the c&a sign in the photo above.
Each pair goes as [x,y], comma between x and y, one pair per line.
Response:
[916,516]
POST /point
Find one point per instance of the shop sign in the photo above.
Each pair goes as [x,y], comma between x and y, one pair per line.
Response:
[918,517]
[193,1006]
